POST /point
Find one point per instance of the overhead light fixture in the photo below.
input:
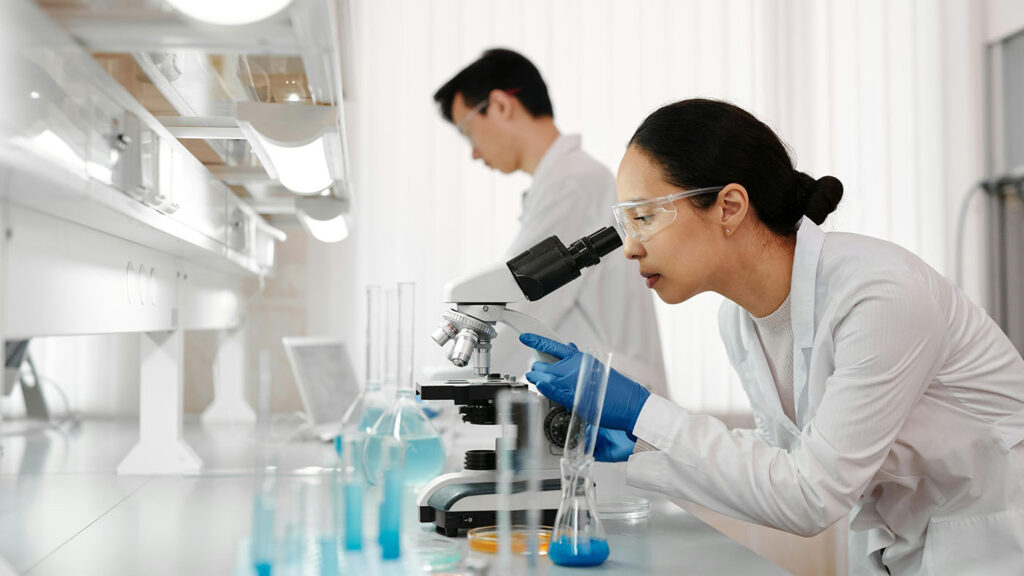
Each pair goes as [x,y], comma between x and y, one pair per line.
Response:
[298,145]
[323,217]
[229,12]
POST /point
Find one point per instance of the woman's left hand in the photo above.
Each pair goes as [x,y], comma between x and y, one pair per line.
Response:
[613,446]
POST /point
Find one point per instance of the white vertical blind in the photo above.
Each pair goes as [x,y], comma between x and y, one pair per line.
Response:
[856,89]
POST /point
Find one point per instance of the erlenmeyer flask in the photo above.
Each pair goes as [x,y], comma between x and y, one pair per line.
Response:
[578,538]
[405,420]
[372,400]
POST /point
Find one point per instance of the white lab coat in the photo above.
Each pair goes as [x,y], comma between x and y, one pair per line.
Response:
[910,418]
[609,307]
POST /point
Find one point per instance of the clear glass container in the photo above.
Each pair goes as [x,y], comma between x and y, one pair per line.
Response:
[392,498]
[405,420]
[486,539]
[624,507]
[518,459]
[372,401]
[579,538]
[352,489]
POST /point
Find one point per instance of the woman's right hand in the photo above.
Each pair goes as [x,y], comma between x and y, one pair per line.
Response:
[623,399]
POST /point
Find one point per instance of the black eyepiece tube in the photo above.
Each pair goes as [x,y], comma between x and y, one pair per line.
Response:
[590,249]
[549,265]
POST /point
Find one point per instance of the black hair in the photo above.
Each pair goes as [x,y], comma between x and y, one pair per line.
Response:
[704,143]
[497,69]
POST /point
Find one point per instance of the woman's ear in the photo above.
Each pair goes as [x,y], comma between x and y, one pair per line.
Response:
[733,204]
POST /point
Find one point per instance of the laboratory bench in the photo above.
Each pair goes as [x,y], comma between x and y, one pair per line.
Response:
[64,509]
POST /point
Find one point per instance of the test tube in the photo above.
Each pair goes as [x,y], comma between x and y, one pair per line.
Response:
[353,489]
[390,339]
[329,519]
[374,333]
[390,518]
[406,333]
[261,540]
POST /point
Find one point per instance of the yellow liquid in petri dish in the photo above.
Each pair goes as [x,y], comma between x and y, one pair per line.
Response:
[485,539]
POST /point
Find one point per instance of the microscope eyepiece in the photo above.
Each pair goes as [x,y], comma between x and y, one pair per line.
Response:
[589,250]
[549,265]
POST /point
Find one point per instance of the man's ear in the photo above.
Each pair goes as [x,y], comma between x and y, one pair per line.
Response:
[501,104]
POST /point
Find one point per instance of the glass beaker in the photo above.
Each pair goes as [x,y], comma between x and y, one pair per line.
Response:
[578,538]
[372,401]
[405,420]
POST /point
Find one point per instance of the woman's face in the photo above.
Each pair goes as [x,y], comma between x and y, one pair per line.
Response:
[679,261]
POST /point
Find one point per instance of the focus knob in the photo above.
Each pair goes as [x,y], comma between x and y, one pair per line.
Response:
[481,460]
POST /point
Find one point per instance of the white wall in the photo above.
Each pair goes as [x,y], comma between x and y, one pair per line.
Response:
[884,95]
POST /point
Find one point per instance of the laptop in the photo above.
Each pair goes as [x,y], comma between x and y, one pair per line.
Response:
[325,379]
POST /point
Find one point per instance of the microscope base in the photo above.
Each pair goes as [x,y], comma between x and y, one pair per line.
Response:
[458,507]
[451,524]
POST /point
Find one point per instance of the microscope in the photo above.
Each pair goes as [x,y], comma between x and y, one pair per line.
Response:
[468,499]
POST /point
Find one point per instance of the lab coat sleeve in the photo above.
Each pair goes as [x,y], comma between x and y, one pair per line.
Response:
[888,348]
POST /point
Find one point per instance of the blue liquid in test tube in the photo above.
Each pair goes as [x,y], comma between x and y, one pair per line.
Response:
[391,500]
[390,516]
[354,516]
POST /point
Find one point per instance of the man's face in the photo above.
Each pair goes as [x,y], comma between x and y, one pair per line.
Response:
[488,133]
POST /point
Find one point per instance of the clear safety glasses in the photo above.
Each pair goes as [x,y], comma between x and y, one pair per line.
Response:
[463,125]
[642,219]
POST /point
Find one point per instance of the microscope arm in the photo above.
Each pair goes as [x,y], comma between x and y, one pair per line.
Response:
[522,324]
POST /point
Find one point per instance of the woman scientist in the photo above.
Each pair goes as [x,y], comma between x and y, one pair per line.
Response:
[879,390]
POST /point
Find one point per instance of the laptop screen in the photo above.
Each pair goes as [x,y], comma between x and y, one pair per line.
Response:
[324,376]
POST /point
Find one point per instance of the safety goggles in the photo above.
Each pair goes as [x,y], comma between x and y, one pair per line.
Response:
[463,125]
[481,108]
[642,219]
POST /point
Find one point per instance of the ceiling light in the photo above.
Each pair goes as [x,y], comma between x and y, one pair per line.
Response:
[298,145]
[323,218]
[229,12]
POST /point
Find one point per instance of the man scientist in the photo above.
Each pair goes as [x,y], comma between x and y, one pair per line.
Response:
[501,105]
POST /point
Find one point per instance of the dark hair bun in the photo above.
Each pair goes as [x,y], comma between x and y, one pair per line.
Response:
[820,197]
[702,143]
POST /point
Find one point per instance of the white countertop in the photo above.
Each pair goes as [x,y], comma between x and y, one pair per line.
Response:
[64,510]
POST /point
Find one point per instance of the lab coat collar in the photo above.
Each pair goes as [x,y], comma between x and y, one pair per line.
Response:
[803,290]
[803,284]
[562,146]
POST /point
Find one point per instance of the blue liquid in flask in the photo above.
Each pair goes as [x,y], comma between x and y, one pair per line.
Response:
[371,413]
[588,552]
[424,458]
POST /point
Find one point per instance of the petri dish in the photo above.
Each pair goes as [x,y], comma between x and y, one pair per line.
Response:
[624,508]
[435,553]
[485,539]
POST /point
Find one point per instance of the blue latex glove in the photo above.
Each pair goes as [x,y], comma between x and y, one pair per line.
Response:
[623,399]
[613,446]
